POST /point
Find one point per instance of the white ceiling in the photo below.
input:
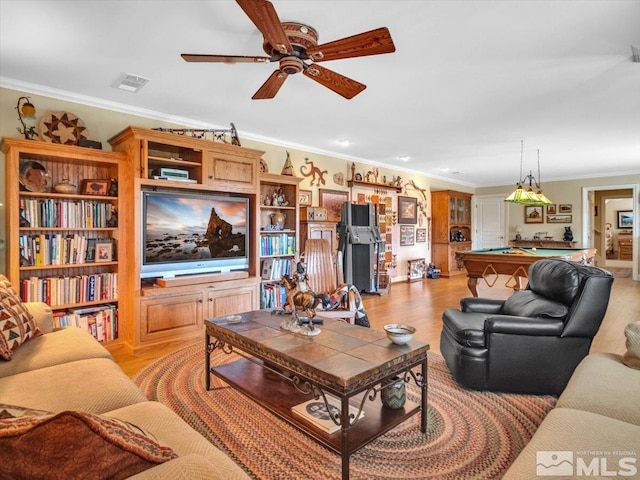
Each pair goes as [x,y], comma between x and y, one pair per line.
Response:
[468,81]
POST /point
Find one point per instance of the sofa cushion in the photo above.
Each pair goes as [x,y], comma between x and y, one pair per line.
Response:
[62,346]
[171,430]
[530,304]
[187,467]
[16,323]
[603,384]
[94,385]
[41,445]
[576,433]
[632,355]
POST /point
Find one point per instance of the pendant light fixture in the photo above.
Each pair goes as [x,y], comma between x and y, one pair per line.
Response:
[529,196]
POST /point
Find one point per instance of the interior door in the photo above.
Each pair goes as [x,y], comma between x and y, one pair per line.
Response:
[491,222]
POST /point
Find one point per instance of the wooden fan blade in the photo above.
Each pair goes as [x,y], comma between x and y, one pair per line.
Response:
[194,57]
[265,18]
[271,86]
[373,42]
[340,84]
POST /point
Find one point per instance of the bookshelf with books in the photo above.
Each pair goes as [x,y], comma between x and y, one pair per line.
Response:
[279,227]
[63,244]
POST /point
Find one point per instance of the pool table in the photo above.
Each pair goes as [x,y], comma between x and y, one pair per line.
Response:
[491,262]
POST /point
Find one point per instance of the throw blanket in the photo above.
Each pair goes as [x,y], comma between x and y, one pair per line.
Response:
[348,297]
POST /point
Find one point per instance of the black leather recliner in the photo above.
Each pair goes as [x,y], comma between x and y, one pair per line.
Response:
[533,341]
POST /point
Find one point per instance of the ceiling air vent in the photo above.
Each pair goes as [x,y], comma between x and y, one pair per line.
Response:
[130,83]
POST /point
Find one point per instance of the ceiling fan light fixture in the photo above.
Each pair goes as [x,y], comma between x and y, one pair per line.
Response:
[295,47]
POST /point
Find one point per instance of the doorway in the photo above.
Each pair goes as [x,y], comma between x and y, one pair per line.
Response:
[600,227]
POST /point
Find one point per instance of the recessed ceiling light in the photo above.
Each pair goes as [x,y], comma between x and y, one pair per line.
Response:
[444,169]
[130,83]
[344,143]
[404,158]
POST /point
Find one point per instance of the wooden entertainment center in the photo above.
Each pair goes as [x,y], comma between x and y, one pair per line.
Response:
[175,308]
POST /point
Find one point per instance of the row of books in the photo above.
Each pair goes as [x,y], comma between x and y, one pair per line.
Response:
[46,249]
[280,244]
[275,268]
[68,290]
[100,321]
[60,213]
[273,296]
[316,412]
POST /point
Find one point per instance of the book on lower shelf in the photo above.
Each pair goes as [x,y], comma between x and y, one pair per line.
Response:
[315,411]
[101,321]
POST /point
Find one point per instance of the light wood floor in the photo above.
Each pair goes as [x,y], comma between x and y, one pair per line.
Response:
[421,304]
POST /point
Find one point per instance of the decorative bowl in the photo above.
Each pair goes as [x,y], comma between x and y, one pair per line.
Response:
[398,333]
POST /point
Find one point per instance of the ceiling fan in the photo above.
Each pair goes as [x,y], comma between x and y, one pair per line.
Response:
[295,47]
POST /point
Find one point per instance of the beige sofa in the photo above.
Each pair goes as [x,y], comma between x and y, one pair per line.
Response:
[68,370]
[593,431]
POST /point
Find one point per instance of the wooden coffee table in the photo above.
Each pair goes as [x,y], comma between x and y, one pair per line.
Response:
[279,369]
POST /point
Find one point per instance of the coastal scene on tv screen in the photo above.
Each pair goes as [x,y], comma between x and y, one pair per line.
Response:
[180,229]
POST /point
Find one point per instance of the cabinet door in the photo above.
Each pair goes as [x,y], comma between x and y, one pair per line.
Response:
[171,316]
[463,213]
[228,302]
[231,173]
[453,212]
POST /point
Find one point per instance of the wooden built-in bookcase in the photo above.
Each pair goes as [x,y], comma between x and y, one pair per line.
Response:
[278,244]
[52,237]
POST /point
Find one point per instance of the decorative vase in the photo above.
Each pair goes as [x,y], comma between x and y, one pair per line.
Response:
[395,395]
[568,234]
[65,186]
[277,220]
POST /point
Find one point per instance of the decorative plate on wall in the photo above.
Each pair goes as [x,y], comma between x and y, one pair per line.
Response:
[62,127]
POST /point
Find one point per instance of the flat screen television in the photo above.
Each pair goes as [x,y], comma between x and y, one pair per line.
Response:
[189,233]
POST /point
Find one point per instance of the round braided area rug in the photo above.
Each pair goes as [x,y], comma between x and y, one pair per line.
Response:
[470,435]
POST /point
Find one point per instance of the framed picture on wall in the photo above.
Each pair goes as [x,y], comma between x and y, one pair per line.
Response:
[407,210]
[421,234]
[565,208]
[407,236]
[332,200]
[551,209]
[625,218]
[533,214]
[559,218]
[305,198]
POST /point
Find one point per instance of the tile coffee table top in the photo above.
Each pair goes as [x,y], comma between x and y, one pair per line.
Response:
[342,356]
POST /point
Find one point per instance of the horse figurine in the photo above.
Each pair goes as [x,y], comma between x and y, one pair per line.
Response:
[300,301]
[297,300]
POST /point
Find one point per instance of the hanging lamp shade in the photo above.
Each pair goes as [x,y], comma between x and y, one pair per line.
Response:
[528,197]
